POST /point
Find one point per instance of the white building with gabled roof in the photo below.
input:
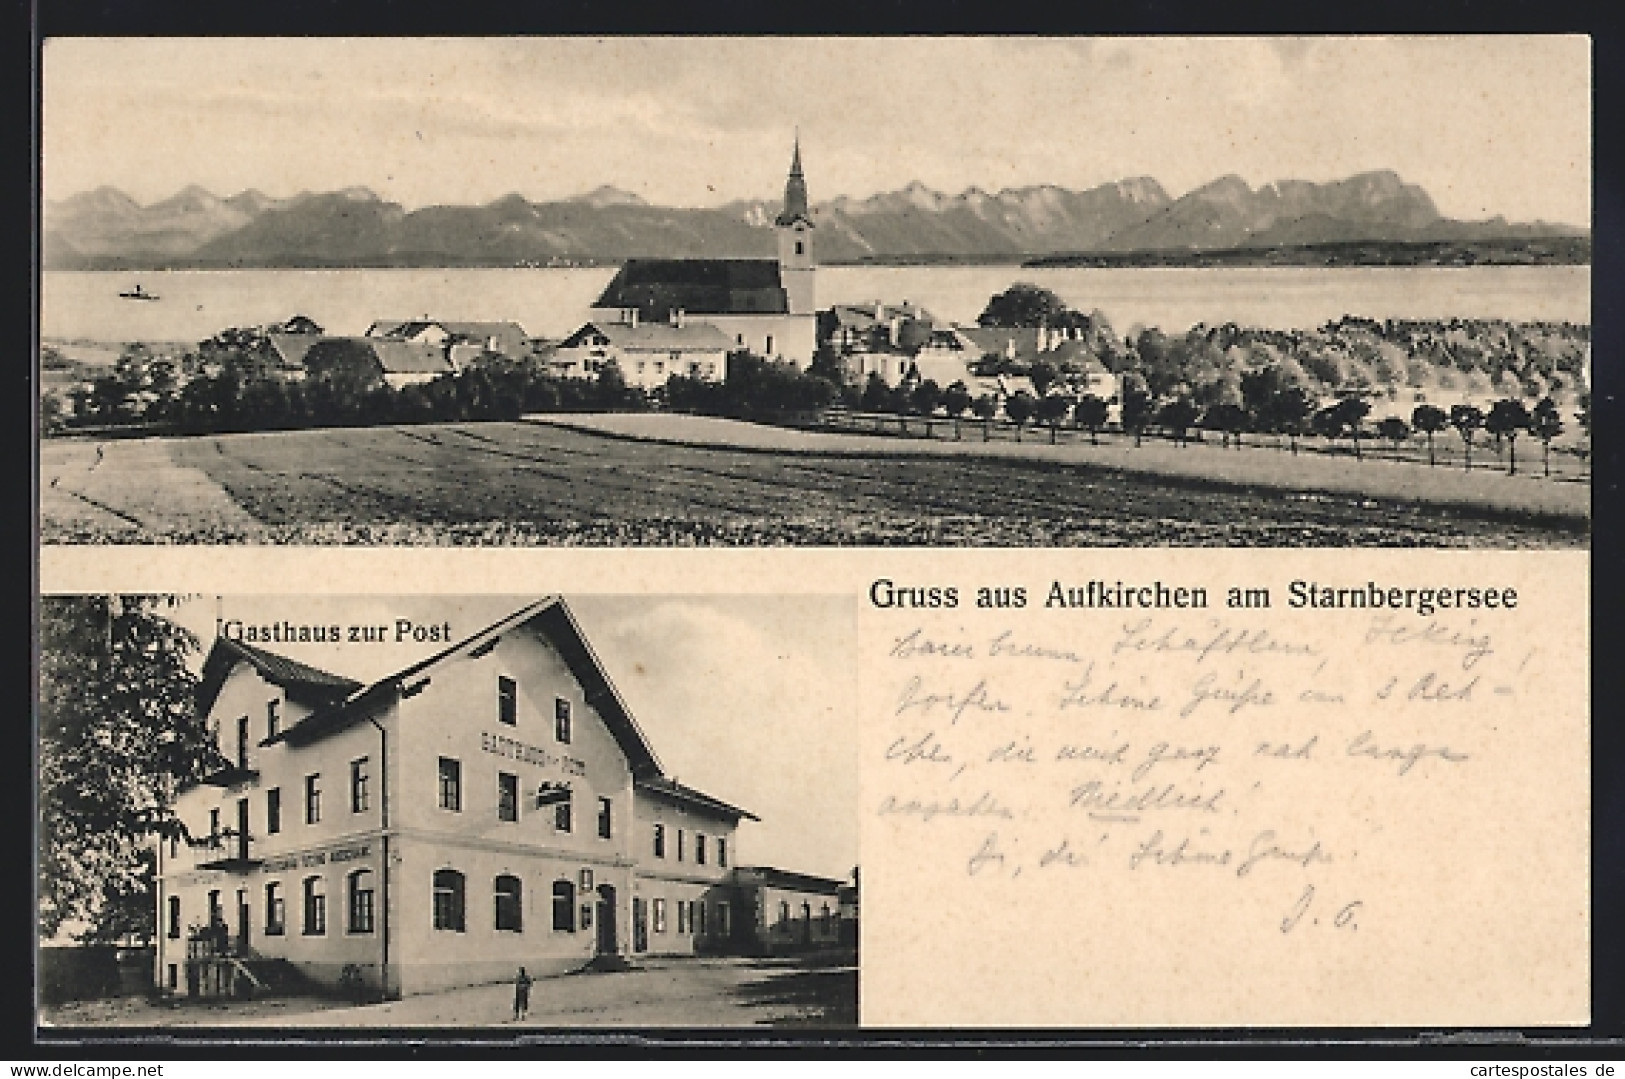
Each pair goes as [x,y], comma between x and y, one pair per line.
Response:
[491,806]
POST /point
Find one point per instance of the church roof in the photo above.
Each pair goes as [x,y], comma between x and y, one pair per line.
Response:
[698,287]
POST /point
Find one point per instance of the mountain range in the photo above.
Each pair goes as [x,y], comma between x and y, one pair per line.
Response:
[106,229]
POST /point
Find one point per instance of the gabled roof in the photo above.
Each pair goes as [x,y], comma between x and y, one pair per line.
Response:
[552,619]
[410,357]
[291,347]
[508,333]
[697,286]
[786,878]
[308,685]
[655,337]
[677,792]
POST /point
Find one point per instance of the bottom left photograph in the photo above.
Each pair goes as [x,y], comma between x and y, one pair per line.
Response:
[481,811]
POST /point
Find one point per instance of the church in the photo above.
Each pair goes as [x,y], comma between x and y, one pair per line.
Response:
[491,805]
[765,306]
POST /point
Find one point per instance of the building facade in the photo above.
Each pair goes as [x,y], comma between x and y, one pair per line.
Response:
[491,806]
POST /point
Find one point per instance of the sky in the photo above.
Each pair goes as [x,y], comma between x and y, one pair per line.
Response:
[1487,125]
[748,699]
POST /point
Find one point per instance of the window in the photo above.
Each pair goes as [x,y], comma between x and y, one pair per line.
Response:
[451,784]
[699,848]
[679,844]
[174,917]
[784,911]
[769,348]
[242,741]
[682,916]
[722,852]
[507,796]
[358,785]
[315,907]
[510,904]
[448,900]
[313,798]
[174,976]
[562,816]
[561,720]
[823,919]
[564,906]
[605,822]
[801,247]
[507,701]
[699,908]
[360,889]
[660,840]
[214,827]
[806,913]
[216,915]
[275,917]
[722,919]
[660,915]
[273,718]
[273,811]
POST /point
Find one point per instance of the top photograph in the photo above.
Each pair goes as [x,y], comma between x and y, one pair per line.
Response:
[941,292]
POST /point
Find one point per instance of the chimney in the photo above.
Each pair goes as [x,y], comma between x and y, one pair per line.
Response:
[677,317]
[632,316]
[880,311]
[895,329]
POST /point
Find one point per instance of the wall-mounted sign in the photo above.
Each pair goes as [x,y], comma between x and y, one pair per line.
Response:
[502,746]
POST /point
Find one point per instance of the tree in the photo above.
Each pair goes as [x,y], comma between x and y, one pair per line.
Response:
[1043,375]
[926,397]
[985,407]
[1288,413]
[956,399]
[1228,418]
[1466,419]
[1349,414]
[1024,304]
[1019,407]
[1177,417]
[1091,411]
[1394,430]
[1138,405]
[1052,410]
[1509,418]
[1430,420]
[117,733]
[1547,424]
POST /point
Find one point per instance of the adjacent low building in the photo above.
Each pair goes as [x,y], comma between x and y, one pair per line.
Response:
[647,354]
[493,805]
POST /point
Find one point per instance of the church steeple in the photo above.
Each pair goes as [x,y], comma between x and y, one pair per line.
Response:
[795,191]
[798,269]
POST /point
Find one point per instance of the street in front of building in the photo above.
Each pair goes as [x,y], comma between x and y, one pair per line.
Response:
[810,990]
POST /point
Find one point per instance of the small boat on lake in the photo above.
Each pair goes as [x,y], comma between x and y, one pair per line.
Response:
[138,293]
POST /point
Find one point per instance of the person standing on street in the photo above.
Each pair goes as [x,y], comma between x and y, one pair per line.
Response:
[521,995]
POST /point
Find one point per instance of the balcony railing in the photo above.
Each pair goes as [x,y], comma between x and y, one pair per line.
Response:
[232,772]
[226,850]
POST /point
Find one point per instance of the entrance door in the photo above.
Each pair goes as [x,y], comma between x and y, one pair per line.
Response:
[640,925]
[242,921]
[605,916]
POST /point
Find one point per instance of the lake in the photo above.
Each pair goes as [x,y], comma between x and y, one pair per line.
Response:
[194,304]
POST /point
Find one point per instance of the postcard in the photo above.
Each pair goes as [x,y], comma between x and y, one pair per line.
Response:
[528,523]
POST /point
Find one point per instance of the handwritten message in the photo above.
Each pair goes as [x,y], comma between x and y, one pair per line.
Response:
[1197,814]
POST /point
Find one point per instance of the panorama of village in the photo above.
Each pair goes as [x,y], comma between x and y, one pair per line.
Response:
[720,400]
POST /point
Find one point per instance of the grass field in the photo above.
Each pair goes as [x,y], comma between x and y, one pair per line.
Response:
[664,484]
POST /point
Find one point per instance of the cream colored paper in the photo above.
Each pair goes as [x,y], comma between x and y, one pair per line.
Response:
[1451,890]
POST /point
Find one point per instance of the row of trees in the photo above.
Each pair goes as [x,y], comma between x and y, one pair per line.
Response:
[1265,407]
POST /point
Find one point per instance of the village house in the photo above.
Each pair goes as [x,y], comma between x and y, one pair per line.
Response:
[764,306]
[398,363]
[493,805]
[462,342]
[895,343]
[647,354]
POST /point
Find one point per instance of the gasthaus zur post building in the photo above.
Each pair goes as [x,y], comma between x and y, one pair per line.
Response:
[493,805]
